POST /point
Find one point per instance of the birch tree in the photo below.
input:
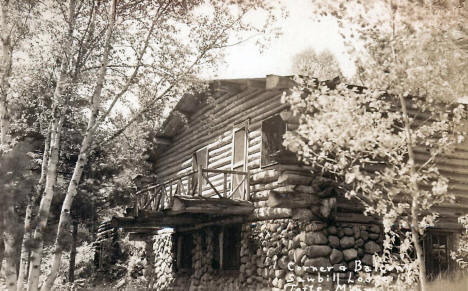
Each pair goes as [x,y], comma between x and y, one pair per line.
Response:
[411,56]
[15,19]
[114,52]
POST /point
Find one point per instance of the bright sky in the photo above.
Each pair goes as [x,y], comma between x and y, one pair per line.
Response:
[300,31]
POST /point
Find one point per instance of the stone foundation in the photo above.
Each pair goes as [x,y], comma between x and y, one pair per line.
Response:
[274,255]
[163,261]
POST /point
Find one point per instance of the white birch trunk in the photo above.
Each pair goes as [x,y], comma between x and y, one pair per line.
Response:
[414,203]
[44,207]
[51,177]
[6,63]
[82,157]
[24,260]
[10,251]
[2,245]
[8,236]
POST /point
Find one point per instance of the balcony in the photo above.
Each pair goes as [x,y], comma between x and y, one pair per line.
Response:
[190,199]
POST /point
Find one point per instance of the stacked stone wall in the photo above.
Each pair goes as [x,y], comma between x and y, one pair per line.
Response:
[279,254]
[163,262]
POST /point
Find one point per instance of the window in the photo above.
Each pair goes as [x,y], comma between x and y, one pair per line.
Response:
[239,160]
[273,130]
[184,252]
[226,248]
[437,248]
[231,238]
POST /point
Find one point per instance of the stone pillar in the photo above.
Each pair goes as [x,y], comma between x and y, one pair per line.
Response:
[163,263]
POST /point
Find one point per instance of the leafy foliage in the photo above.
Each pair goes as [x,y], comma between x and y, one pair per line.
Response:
[323,65]
[367,141]
[359,137]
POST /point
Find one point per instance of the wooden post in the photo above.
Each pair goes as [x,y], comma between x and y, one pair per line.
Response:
[247,185]
[136,205]
[225,186]
[179,252]
[200,180]
[180,185]
[221,249]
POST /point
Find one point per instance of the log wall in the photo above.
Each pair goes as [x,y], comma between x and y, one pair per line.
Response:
[210,124]
[277,191]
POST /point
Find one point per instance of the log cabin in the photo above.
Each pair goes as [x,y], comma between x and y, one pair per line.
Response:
[232,209]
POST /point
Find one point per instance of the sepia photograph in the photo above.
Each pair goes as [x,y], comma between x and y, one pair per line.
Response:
[224,145]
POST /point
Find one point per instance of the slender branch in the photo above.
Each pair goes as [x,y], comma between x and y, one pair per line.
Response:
[137,67]
[109,66]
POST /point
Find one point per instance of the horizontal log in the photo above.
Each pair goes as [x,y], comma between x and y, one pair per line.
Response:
[260,195]
[263,187]
[155,220]
[220,206]
[314,189]
[295,167]
[285,189]
[231,220]
[162,140]
[221,122]
[294,178]
[189,151]
[255,164]
[270,110]
[219,171]
[266,213]
[307,189]
[260,204]
[264,177]
[296,200]
[355,217]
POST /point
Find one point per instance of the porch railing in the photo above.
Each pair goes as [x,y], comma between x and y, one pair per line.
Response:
[160,197]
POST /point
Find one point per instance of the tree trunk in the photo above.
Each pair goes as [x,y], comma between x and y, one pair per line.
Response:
[414,204]
[82,157]
[25,251]
[71,267]
[8,236]
[417,246]
[2,243]
[51,177]
[2,247]
[44,207]
[5,73]
[10,251]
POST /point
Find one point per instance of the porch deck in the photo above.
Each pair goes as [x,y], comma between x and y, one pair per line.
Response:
[181,201]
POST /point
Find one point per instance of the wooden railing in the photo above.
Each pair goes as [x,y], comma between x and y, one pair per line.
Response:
[160,197]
